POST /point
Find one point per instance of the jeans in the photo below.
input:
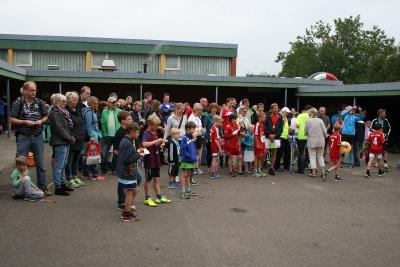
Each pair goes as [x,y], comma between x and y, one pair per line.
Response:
[121,195]
[356,151]
[71,170]
[60,161]
[284,151]
[35,145]
[28,188]
[105,148]
[301,144]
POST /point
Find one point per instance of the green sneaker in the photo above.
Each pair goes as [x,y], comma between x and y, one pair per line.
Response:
[71,183]
[78,181]
[263,174]
[183,195]
[258,175]
[189,192]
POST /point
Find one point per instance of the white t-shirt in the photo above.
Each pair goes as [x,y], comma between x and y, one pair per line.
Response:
[196,120]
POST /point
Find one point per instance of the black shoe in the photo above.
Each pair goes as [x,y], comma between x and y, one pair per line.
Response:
[299,172]
[66,188]
[18,196]
[271,172]
[60,192]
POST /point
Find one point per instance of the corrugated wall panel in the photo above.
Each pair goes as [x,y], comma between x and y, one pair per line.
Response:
[3,54]
[134,62]
[68,61]
[202,66]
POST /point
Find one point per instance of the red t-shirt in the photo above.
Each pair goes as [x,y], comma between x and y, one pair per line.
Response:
[258,134]
[376,141]
[225,112]
[231,139]
[188,111]
[215,139]
[334,142]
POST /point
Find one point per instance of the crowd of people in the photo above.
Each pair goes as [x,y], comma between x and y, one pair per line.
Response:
[121,136]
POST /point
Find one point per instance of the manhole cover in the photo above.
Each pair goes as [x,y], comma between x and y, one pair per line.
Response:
[238,210]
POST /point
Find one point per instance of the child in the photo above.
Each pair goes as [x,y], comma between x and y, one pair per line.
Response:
[174,160]
[152,161]
[232,144]
[248,142]
[215,140]
[127,170]
[22,185]
[376,140]
[124,118]
[188,154]
[259,146]
[335,142]
[365,144]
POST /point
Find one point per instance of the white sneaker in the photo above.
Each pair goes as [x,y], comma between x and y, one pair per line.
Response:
[199,171]
[385,165]
[133,207]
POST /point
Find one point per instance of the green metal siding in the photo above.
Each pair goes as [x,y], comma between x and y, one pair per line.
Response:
[134,63]
[202,66]
[68,61]
[3,54]
[118,48]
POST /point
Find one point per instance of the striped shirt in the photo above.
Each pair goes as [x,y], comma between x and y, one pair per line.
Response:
[23,111]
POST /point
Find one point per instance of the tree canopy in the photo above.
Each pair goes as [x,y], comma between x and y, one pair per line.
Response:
[346,49]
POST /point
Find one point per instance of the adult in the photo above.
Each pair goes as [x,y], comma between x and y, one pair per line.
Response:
[208,123]
[71,170]
[226,111]
[245,103]
[316,133]
[85,93]
[350,116]
[177,120]
[327,122]
[188,109]
[138,117]
[128,103]
[28,114]
[166,108]
[386,128]
[196,118]
[93,134]
[243,119]
[285,149]
[257,110]
[302,160]
[61,138]
[155,109]
[273,130]
[109,126]
[146,103]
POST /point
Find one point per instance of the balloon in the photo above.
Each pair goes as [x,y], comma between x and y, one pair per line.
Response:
[345,148]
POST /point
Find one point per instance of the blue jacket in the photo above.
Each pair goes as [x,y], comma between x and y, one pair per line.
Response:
[165,111]
[349,122]
[248,142]
[91,123]
[127,155]
[188,149]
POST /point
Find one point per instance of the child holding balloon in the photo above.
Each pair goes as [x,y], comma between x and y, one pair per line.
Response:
[336,150]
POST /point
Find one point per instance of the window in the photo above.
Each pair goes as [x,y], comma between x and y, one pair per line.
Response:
[97,59]
[23,58]
[173,63]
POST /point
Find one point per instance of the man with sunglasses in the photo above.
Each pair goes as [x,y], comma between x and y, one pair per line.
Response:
[27,115]
[109,126]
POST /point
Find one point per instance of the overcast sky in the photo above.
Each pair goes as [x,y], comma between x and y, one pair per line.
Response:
[261,28]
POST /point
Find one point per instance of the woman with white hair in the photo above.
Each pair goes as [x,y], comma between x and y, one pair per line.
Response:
[62,137]
[285,149]
[316,132]
[199,133]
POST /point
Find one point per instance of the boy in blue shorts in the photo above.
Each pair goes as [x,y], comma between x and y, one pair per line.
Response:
[128,171]
[152,161]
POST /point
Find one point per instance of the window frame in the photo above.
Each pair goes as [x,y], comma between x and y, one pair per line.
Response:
[171,68]
[98,66]
[23,65]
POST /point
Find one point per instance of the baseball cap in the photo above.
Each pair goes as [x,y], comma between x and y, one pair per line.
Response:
[112,99]
[286,109]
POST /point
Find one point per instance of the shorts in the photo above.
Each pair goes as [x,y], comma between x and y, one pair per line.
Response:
[187,166]
[152,173]
[273,145]
[335,159]
[378,156]
[215,154]
[233,151]
[128,186]
[348,138]
[199,142]
[173,169]
[259,153]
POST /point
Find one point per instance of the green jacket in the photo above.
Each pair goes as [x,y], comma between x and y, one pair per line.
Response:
[104,118]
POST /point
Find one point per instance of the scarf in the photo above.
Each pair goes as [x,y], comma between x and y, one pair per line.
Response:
[66,115]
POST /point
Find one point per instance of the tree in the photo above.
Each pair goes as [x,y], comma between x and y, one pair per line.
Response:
[347,50]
